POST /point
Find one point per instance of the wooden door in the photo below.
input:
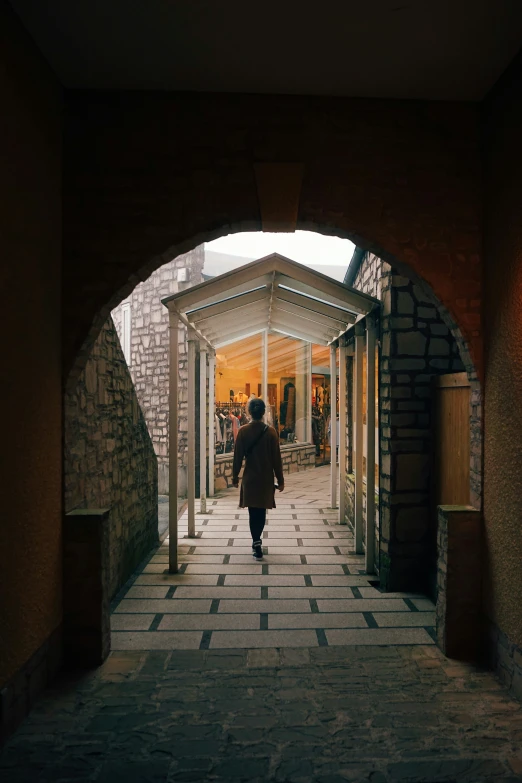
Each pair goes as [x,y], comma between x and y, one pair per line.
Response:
[451,440]
[450,455]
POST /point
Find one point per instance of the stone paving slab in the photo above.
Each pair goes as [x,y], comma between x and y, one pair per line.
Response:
[381,636]
[246,568]
[361,605]
[131,622]
[147,592]
[233,639]
[341,581]
[155,640]
[206,622]
[310,592]
[265,580]
[305,569]
[423,604]
[143,605]
[404,619]
[177,579]
[279,559]
[275,605]
[217,592]
[340,620]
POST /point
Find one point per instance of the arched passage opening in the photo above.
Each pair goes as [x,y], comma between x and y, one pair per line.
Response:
[428,297]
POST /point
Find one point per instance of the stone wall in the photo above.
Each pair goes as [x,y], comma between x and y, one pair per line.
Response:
[149,359]
[109,458]
[415,345]
[295,459]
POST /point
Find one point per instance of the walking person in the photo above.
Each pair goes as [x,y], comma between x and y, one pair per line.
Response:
[259,445]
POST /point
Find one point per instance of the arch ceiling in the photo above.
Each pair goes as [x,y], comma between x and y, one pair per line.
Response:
[425,49]
[273,293]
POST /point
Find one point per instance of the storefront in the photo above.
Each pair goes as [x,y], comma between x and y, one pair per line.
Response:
[298,394]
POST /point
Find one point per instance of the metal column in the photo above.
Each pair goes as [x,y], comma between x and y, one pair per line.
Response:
[342,432]
[211,420]
[191,434]
[203,428]
[358,372]
[173,442]
[333,425]
[370,445]
[264,361]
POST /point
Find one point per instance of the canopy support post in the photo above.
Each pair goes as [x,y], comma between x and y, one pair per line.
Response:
[211,420]
[358,371]
[342,432]
[173,441]
[333,426]
[370,445]
[202,428]
[191,434]
[264,360]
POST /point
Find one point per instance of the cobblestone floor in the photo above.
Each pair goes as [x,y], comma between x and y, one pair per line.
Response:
[323,714]
[311,590]
[244,705]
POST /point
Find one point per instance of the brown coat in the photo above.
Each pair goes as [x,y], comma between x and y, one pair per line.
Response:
[257,485]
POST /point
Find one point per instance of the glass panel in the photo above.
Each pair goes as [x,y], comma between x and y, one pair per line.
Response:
[288,388]
[321,403]
[238,377]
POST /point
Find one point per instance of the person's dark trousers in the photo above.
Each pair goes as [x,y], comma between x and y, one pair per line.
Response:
[257,518]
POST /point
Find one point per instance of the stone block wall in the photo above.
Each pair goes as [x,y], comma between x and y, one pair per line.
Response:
[415,345]
[295,459]
[149,360]
[109,457]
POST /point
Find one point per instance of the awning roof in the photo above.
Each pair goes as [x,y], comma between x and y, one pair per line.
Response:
[271,293]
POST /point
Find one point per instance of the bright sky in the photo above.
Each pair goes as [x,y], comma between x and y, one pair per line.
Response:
[306,247]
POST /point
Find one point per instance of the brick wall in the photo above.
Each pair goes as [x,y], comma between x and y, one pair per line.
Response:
[149,360]
[400,178]
[109,458]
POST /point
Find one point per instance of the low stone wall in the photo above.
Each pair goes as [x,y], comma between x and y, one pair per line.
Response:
[458,615]
[109,456]
[295,458]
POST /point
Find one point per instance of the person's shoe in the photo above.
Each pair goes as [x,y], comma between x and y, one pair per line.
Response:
[257,550]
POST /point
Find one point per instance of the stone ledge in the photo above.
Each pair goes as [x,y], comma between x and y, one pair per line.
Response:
[458,611]
[86,589]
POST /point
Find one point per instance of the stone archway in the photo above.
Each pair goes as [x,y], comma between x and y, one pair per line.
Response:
[403,180]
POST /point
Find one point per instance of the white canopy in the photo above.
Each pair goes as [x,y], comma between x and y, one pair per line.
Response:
[271,293]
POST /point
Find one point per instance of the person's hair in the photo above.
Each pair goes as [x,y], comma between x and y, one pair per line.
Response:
[256,408]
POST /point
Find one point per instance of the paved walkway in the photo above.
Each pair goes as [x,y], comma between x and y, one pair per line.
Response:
[309,591]
[344,691]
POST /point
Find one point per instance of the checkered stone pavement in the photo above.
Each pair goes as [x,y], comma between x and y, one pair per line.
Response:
[310,590]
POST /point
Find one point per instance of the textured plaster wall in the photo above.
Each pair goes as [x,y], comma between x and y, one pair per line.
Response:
[30,392]
[109,457]
[503,357]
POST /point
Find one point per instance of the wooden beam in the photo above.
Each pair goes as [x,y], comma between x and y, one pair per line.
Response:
[278,193]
